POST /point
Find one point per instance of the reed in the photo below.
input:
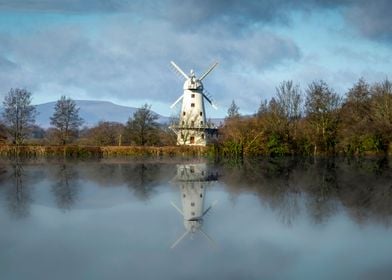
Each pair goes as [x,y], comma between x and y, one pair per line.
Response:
[77,151]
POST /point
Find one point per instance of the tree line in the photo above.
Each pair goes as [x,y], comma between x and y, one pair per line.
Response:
[313,121]
[362,187]
[317,121]
[18,127]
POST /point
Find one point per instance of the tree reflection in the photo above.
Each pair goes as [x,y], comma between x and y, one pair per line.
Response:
[322,187]
[273,180]
[142,178]
[3,173]
[65,188]
[289,186]
[18,196]
[367,191]
[363,187]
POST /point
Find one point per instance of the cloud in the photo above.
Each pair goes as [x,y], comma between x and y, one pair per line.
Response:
[364,56]
[372,19]
[120,50]
[127,61]
[184,14]
[84,6]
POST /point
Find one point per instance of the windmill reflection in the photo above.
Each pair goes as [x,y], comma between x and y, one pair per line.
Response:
[193,180]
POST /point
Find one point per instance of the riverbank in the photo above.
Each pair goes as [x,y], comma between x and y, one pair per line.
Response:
[84,151]
[78,151]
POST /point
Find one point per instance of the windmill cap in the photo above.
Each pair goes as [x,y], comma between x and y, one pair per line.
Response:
[196,84]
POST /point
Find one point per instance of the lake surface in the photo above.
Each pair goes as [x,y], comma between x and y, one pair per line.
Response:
[195,219]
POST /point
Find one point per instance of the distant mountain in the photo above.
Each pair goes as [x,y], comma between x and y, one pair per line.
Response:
[92,112]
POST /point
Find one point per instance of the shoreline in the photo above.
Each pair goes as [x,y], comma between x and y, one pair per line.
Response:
[81,151]
[86,151]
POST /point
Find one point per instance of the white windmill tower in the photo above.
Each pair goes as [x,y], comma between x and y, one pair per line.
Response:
[192,128]
[193,180]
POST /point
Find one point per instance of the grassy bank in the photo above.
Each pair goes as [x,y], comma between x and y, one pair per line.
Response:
[103,151]
[82,151]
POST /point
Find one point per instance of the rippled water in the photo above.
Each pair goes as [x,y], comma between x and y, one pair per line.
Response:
[194,219]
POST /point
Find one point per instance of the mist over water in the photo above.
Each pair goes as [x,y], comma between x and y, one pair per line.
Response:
[291,218]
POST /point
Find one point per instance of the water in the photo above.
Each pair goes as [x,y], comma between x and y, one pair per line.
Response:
[270,219]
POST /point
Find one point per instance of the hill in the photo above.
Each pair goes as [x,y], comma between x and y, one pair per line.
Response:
[92,112]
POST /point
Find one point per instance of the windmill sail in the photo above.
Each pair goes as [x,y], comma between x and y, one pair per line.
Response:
[179,70]
[174,104]
[179,240]
[208,71]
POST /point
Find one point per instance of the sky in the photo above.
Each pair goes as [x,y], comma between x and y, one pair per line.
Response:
[120,50]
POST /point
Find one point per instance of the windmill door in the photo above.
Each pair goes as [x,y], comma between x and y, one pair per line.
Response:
[192,140]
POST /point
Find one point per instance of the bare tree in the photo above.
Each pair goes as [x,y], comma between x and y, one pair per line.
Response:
[263,108]
[3,133]
[185,128]
[106,134]
[66,119]
[321,105]
[233,111]
[381,108]
[289,99]
[19,114]
[143,128]
[355,127]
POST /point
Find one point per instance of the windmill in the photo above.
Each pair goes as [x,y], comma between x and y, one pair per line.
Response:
[193,179]
[192,128]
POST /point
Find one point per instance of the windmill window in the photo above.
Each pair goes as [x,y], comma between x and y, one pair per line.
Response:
[192,123]
[193,213]
[202,136]
[183,122]
[201,113]
[193,95]
[201,195]
[192,204]
[183,195]
[192,169]
[182,137]
[192,104]
[183,113]
[201,122]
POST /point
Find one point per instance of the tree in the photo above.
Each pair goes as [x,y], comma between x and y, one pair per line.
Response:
[66,119]
[289,99]
[18,113]
[106,133]
[233,111]
[381,112]
[143,128]
[263,108]
[321,106]
[354,132]
[3,133]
